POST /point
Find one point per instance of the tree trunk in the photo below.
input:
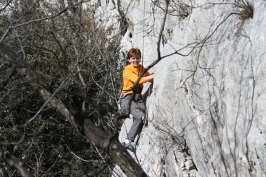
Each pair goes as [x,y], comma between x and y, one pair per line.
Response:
[117,151]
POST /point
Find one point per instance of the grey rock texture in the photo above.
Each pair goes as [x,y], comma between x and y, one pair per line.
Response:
[206,108]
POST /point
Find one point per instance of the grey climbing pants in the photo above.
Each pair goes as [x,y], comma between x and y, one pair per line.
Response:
[137,109]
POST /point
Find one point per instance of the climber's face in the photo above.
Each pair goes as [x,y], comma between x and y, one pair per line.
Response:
[134,61]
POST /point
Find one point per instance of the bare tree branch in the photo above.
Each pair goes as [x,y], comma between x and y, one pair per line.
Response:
[12,161]
[101,139]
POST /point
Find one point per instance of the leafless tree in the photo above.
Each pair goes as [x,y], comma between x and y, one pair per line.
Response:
[60,79]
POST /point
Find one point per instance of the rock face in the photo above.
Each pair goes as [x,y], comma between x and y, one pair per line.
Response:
[206,108]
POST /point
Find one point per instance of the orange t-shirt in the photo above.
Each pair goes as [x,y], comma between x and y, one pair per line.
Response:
[130,76]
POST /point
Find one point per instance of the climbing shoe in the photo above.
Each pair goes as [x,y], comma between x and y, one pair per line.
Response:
[129,146]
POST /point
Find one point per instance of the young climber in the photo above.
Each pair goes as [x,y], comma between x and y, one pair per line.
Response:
[137,108]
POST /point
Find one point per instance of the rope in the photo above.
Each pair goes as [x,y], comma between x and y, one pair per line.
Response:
[143,46]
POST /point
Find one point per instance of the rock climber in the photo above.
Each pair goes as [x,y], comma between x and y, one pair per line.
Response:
[130,75]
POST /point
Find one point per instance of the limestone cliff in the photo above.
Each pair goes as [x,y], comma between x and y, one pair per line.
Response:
[206,108]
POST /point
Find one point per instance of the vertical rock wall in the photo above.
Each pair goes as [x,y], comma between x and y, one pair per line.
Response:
[207,107]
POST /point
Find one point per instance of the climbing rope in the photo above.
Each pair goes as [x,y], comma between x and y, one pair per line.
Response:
[143,46]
